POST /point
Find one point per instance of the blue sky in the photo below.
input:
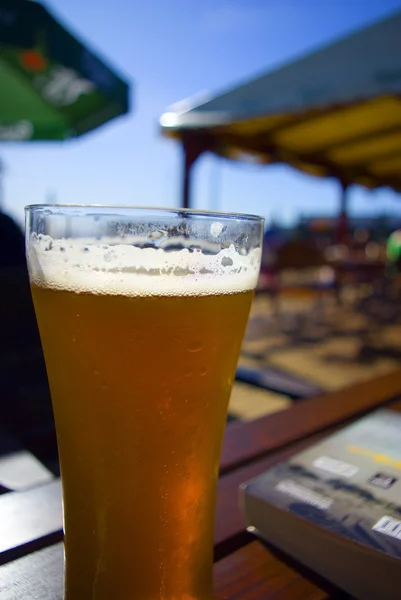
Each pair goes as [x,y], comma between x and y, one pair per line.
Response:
[172,49]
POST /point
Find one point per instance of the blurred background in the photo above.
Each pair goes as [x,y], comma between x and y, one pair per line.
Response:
[172,103]
[171,51]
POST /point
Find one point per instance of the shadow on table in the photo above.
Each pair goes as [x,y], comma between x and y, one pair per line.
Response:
[330,589]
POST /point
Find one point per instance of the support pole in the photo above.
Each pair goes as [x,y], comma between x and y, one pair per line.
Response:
[192,148]
[342,223]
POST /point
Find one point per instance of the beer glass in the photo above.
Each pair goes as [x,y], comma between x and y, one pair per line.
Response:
[141,314]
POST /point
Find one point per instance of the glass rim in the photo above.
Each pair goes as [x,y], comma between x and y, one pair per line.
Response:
[157,210]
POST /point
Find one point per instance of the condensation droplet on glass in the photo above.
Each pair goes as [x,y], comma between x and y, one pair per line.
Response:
[216,228]
[203,370]
[156,235]
[194,346]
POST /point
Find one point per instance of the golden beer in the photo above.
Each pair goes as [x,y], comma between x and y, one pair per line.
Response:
[140,387]
[141,346]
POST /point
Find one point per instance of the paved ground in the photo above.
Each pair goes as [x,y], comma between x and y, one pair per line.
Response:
[332,346]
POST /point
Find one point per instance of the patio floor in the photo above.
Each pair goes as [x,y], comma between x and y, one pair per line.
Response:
[320,343]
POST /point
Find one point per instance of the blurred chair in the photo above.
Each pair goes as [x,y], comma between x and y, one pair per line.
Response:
[382,309]
[300,269]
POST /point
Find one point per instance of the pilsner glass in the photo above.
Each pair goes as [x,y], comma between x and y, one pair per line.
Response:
[141,314]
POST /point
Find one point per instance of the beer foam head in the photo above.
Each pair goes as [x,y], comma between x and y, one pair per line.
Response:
[108,267]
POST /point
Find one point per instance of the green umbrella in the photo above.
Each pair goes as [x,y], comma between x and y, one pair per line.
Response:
[52,87]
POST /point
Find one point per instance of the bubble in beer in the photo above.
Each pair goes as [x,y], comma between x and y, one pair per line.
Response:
[226,261]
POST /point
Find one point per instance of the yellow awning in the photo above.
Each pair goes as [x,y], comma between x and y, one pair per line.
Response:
[336,112]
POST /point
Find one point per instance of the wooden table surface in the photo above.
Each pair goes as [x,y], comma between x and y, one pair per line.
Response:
[31,553]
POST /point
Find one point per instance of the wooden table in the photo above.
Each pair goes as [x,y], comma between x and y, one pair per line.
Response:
[31,530]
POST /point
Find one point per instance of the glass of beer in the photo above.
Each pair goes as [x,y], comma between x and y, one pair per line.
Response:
[141,314]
